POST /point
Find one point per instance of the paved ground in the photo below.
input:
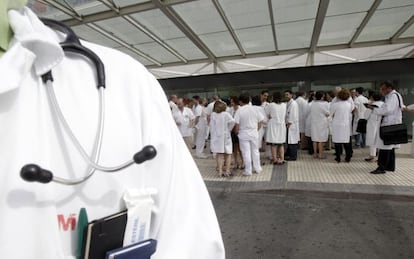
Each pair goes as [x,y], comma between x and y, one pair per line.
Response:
[323,176]
[269,226]
[314,208]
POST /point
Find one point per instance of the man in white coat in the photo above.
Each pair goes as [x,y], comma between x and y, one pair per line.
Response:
[292,124]
[39,220]
[248,122]
[391,112]
[303,111]
[359,113]
[184,118]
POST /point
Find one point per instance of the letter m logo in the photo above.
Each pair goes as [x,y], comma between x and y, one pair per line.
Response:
[67,224]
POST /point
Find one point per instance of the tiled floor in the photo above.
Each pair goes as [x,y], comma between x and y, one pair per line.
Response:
[322,175]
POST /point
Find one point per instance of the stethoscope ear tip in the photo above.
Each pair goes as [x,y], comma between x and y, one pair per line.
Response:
[34,173]
[146,153]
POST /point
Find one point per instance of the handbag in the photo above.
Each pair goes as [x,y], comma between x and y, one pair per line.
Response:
[394,134]
[362,126]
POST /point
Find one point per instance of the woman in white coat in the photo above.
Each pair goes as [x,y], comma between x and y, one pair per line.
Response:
[319,114]
[373,124]
[276,128]
[341,112]
[221,124]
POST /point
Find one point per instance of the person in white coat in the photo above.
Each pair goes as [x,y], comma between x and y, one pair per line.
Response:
[201,127]
[184,118]
[359,113]
[292,125]
[373,125]
[308,124]
[39,220]
[248,122]
[221,124]
[341,112]
[276,130]
[256,103]
[303,111]
[391,112]
[319,114]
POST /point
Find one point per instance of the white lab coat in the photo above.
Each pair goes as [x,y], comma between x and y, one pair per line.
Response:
[303,110]
[319,113]
[221,125]
[185,119]
[276,126]
[341,112]
[359,112]
[391,114]
[373,124]
[292,116]
[137,114]
[308,123]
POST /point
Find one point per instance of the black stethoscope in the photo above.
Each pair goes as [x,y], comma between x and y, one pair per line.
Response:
[33,172]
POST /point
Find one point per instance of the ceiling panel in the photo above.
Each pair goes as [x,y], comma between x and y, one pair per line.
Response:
[409,32]
[384,23]
[159,24]
[186,48]
[157,52]
[246,13]
[123,3]
[91,35]
[394,3]
[339,7]
[124,30]
[220,43]
[323,59]
[370,53]
[294,10]
[47,11]
[201,16]
[142,60]
[255,40]
[85,7]
[294,35]
[339,29]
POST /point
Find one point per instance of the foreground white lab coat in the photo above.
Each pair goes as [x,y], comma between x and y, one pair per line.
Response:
[38,220]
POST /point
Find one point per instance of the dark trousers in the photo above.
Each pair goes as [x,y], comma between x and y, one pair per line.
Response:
[309,145]
[386,160]
[348,150]
[292,151]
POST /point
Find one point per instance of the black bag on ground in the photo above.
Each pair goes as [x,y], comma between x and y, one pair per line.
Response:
[394,134]
[362,126]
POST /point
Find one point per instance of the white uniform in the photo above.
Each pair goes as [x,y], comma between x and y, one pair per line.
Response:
[262,130]
[292,116]
[276,126]
[341,112]
[308,124]
[319,113]
[248,119]
[184,118]
[201,132]
[391,114]
[221,126]
[303,110]
[359,111]
[373,124]
[39,220]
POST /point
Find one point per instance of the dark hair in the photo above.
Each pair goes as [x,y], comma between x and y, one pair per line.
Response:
[235,99]
[300,93]
[244,98]
[370,93]
[311,96]
[376,96]
[360,90]
[332,94]
[196,97]
[288,91]
[264,91]
[319,95]
[227,101]
[277,97]
[388,84]
[256,100]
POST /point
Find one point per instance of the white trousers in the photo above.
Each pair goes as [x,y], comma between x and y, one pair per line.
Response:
[373,151]
[200,140]
[250,152]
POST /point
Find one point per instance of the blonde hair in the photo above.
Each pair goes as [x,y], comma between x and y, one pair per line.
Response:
[219,107]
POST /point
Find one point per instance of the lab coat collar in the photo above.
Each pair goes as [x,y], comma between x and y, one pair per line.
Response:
[34,46]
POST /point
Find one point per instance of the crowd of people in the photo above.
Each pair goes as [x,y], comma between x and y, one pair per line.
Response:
[278,124]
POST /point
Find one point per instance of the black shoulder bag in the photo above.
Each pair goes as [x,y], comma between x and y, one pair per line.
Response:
[394,134]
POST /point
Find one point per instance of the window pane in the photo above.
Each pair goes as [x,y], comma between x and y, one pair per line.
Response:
[339,29]
[246,13]
[221,44]
[294,35]
[258,39]
[294,10]
[337,7]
